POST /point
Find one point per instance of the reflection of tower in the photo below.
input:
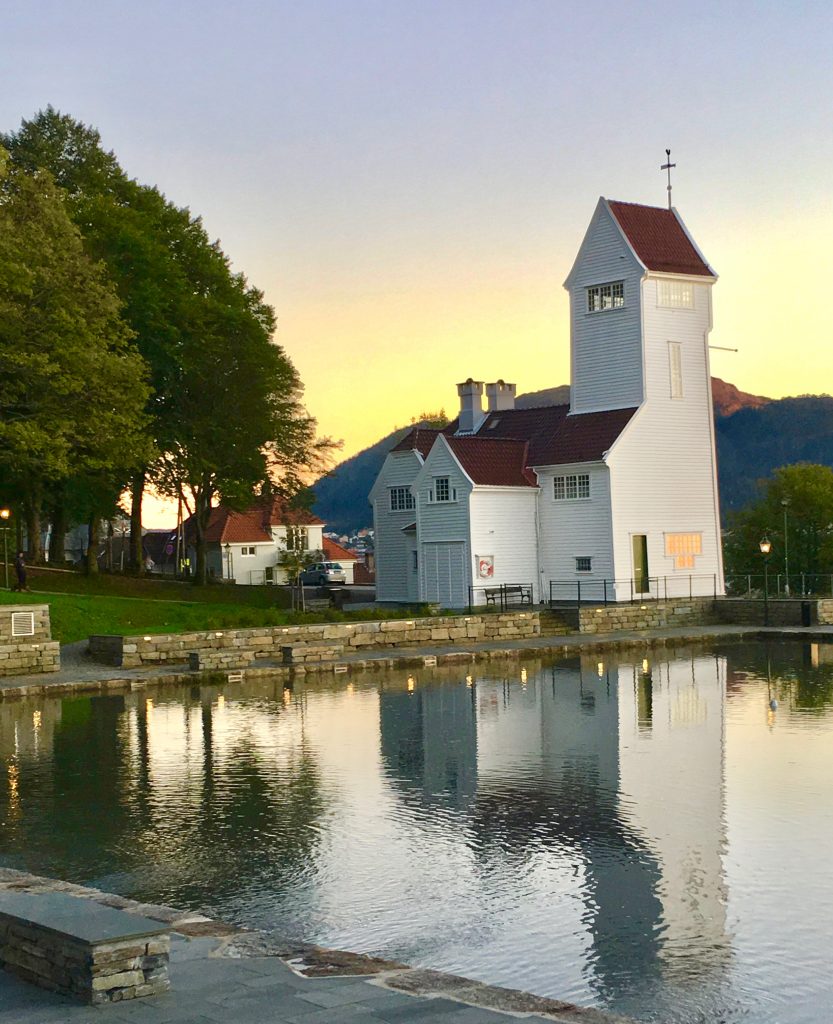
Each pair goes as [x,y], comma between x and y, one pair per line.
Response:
[621,770]
[429,741]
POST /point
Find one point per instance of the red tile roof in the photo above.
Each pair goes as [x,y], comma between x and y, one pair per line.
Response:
[336,553]
[586,437]
[658,239]
[421,439]
[493,461]
[251,526]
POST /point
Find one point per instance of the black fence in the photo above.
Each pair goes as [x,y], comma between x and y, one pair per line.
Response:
[636,591]
[800,584]
[501,596]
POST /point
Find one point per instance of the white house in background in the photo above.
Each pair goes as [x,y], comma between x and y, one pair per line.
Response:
[334,552]
[246,546]
[615,493]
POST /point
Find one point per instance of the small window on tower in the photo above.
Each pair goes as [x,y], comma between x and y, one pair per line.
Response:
[675,368]
[606,296]
[675,294]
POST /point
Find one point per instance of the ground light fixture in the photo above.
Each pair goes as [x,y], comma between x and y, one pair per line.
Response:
[765,544]
[5,515]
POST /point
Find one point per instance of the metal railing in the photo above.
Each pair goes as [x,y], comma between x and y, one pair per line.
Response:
[501,596]
[798,584]
[633,591]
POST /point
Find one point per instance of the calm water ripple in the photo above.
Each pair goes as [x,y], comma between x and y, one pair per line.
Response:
[644,834]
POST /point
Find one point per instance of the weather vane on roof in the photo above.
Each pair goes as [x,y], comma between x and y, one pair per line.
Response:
[667,167]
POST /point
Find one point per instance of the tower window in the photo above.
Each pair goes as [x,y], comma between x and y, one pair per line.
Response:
[584,563]
[401,499]
[675,368]
[675,294]
[606,296]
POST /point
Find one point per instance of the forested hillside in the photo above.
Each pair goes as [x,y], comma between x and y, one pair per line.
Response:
[755,435]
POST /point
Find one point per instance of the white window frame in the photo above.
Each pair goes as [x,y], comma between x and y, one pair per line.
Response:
[584,558]
[401,499]
[675,294]
[450,492]
[571,487]
[602,298]
[248,551]
[675,369]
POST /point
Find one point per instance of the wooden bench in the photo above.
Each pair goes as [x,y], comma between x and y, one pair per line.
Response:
[85,950]
[493,594]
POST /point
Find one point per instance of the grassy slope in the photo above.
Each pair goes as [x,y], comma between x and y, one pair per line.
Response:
[80,606]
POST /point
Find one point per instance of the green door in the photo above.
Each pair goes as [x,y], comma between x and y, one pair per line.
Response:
[641,583]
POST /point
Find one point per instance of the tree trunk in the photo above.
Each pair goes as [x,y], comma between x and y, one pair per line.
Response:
[34,545]
[91,561]
[57,539]
[137,557]
[202,512]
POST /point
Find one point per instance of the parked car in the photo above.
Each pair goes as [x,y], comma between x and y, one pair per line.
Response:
[323,573]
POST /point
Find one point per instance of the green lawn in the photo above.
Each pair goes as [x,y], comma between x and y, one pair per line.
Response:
[81,606]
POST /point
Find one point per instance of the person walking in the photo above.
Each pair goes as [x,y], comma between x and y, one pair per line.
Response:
[20,569]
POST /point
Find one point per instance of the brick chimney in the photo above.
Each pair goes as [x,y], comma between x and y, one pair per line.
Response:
[500,396]
[471,406]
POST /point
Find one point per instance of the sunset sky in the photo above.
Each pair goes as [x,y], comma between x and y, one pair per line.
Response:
[409,181]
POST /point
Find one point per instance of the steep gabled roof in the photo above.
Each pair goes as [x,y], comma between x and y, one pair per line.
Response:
[336,553]
[251,526]
[658,238]
[421,439]
[493,462]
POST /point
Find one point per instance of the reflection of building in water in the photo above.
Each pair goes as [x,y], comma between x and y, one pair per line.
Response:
[28,727]
[429,741]
[616,769]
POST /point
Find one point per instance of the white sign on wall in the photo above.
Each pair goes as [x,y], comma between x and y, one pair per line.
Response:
[485,566]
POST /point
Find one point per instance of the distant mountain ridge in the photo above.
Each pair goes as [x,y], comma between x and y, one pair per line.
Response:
[754,436]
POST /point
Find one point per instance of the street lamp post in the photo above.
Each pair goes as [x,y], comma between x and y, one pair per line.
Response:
[786,504]
[5,513]
[766,546]
[228,561]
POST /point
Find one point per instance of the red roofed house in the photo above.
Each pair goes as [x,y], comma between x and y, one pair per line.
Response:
[246,546]
[617,491]
[346,559]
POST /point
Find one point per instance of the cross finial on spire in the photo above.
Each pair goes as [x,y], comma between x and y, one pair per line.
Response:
[667,167]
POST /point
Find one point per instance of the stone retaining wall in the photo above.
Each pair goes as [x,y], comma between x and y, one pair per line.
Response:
[267,641]
[740,611]
[26,646]
[650,615]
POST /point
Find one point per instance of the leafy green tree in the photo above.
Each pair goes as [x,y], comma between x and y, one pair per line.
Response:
[296,557]
[72,388]
[808,490]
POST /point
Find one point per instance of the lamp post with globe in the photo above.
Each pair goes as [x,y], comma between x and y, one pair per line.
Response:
[5,514]
[765,545]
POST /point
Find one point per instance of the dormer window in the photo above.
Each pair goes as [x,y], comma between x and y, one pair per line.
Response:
[602,297]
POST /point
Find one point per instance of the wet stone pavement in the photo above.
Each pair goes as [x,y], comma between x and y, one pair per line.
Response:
[224,975]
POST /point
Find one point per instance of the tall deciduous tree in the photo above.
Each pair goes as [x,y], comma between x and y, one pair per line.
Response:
[72,389]
[808,491]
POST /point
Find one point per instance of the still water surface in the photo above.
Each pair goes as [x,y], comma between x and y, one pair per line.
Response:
[643,835]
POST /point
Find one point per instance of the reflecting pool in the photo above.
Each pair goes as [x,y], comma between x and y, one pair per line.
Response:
[645,834]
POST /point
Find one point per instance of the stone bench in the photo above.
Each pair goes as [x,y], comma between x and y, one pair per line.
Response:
[299,654]
[219,658]
[85,950]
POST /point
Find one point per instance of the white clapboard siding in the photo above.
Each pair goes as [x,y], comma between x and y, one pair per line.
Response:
[663,476]
[393,547]
[503,525]
[572,528]
[443,522]
[606,362]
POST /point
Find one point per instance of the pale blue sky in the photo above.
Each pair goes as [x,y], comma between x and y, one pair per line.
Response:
[409,182]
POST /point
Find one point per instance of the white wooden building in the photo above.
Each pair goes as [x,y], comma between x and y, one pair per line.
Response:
[612,497]
[245,547]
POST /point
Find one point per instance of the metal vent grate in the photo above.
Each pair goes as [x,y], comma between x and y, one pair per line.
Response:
[23,623]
